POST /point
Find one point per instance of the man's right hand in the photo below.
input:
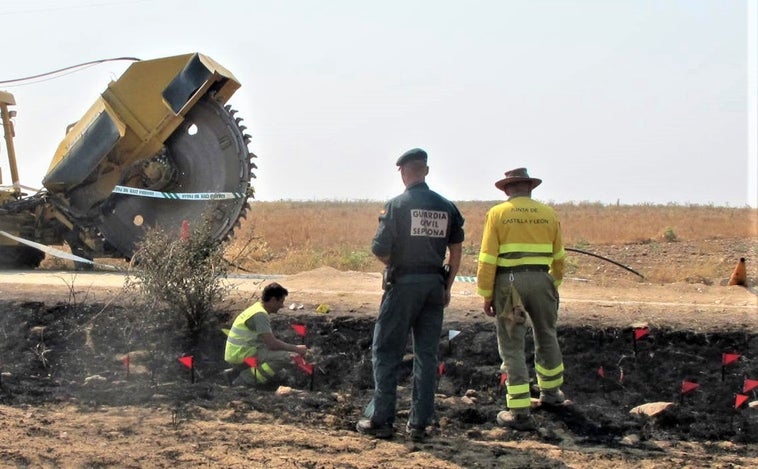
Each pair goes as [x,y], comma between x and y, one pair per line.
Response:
[301,350]
[488,308]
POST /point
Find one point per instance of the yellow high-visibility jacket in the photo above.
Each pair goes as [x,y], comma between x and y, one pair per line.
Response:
[241,341]
[520,231]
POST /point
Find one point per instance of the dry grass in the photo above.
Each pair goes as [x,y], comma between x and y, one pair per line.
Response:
[287,237]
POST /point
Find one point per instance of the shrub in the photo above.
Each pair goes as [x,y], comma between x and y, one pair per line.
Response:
[183,275]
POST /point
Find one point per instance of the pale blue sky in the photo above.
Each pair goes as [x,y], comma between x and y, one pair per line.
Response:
[637,101]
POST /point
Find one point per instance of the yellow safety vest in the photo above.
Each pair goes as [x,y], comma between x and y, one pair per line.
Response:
[241,341]
[520,231]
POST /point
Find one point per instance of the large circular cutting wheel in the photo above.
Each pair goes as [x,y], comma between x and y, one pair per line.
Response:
[207,154]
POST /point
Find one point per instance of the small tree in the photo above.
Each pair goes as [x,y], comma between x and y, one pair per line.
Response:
[182,273]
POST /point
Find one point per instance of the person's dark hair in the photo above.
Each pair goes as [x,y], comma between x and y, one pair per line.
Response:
[274,290]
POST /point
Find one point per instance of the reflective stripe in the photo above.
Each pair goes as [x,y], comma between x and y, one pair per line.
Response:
[484,293]
[549,378]
[549,383]
[527,248]
[546,261]
[263,373]
[241,341]
[487,258]
[236,341]
[514,389]
[518,396]
[242,332]
[548,371]
[522,403]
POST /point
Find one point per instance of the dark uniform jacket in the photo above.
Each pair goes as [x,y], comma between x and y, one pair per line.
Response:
[415,229]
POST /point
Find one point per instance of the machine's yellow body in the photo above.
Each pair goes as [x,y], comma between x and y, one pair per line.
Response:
[163,126]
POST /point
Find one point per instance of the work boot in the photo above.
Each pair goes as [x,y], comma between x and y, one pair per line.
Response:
[368,427]
[520,421]
[417,434]
[229,375]
[553,399]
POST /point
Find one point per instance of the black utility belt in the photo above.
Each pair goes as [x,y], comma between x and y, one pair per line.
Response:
[418,269]
[523,268]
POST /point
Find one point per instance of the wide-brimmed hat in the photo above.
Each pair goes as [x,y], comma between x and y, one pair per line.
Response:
[517,175]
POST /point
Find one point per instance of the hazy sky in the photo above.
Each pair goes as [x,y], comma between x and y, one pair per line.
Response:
[637,101]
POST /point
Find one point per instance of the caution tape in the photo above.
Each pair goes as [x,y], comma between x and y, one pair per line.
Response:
[178,195]
[461,278]
[55,252]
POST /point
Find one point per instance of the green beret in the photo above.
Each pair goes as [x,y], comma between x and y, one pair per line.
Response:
[412,155]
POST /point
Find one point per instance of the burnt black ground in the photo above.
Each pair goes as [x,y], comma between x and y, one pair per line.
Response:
[74,354]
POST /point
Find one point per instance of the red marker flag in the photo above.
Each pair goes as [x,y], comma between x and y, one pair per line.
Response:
[126,364]
[749,385]
[441,368]
[640,332]
[186,361]
[503,378]
[184,234]
[688,386]
[739,399]
[299,329]
[306,368]
[252,362]
[601,372]
[727,358]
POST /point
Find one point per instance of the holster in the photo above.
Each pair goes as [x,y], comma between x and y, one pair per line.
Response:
[388,278]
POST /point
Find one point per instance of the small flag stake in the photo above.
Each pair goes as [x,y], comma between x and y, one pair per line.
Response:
[126,364]
[184,234]
[640,332]
[739,399]
[689,386]
[252,362]
[503,378]
[726,359]
[299,329]
[601,372]
[441,368]
[729,358]
[305,367]
[749,385]
[189,363]
[452,334]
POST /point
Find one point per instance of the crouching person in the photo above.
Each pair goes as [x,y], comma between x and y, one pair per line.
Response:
[251,336]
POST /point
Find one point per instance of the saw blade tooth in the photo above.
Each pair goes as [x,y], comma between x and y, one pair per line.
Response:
[253,165]
[252,155]
[237,120]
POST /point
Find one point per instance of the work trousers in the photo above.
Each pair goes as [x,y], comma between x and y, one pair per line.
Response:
[417,307]
[270,363]
[540,299]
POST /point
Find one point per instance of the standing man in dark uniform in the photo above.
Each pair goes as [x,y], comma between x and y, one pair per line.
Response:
[416,229]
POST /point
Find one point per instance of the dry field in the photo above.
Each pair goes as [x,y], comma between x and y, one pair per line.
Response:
[288,237]
[66,399]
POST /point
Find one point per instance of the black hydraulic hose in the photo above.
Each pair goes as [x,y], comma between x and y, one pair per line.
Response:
[606,259]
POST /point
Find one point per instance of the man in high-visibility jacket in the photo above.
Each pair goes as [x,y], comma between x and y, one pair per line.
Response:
[520,268]
[251,336]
